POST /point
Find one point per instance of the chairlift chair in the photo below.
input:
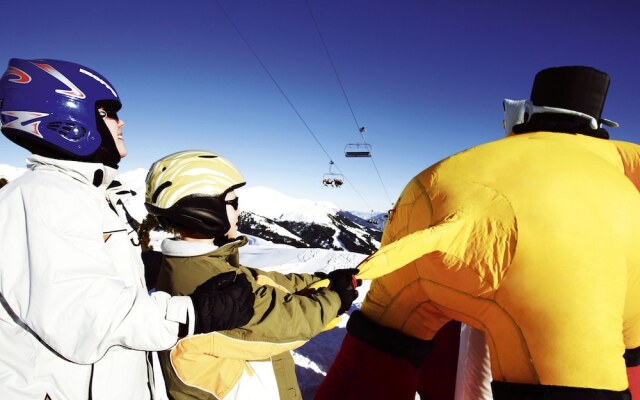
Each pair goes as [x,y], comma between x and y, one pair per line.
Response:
[357,150]
[331,178]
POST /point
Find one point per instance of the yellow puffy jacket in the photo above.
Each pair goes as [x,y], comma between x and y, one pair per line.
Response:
[534,239]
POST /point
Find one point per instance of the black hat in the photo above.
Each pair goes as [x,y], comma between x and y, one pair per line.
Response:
[560,94]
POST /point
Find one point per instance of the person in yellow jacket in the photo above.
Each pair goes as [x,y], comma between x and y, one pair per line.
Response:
[532,239]
[193,194]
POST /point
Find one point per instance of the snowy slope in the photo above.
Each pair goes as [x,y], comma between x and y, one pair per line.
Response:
[315,357]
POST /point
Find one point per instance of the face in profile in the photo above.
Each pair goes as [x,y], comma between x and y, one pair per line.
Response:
[115,126]
[231,201]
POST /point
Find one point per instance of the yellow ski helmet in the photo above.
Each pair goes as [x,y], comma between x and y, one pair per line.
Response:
[187,189]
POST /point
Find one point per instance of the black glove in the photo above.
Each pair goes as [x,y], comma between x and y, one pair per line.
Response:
[223,302]
[344,282]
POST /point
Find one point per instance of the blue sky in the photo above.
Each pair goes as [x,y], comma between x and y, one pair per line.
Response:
[426,78]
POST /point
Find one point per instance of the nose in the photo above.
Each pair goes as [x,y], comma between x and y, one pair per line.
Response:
[121,123]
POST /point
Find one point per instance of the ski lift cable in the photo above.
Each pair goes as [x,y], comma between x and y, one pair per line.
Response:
[246,42]
[381,182]
[352,185]
[264,67]
[361,129]
[335,70]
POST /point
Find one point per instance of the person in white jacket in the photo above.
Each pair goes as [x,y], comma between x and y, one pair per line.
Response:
[76,320]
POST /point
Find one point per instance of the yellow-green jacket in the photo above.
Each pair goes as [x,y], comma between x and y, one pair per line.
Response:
[253,361]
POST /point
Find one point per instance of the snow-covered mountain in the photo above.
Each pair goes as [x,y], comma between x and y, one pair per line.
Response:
[304,223]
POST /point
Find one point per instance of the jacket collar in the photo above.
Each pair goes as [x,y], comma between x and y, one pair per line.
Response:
[95,174]
[175,247]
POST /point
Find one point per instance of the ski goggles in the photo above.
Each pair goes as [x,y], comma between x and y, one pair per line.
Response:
[233,203]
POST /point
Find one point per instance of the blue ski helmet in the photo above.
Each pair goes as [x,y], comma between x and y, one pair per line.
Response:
[49,107]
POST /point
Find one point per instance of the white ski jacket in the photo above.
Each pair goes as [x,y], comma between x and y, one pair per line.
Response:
[76,320]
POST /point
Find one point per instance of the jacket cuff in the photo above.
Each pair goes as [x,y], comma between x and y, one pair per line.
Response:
[180,309]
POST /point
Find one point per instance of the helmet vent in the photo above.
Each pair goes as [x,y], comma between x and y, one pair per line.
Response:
[69,130]
[160,188]
[207,156]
